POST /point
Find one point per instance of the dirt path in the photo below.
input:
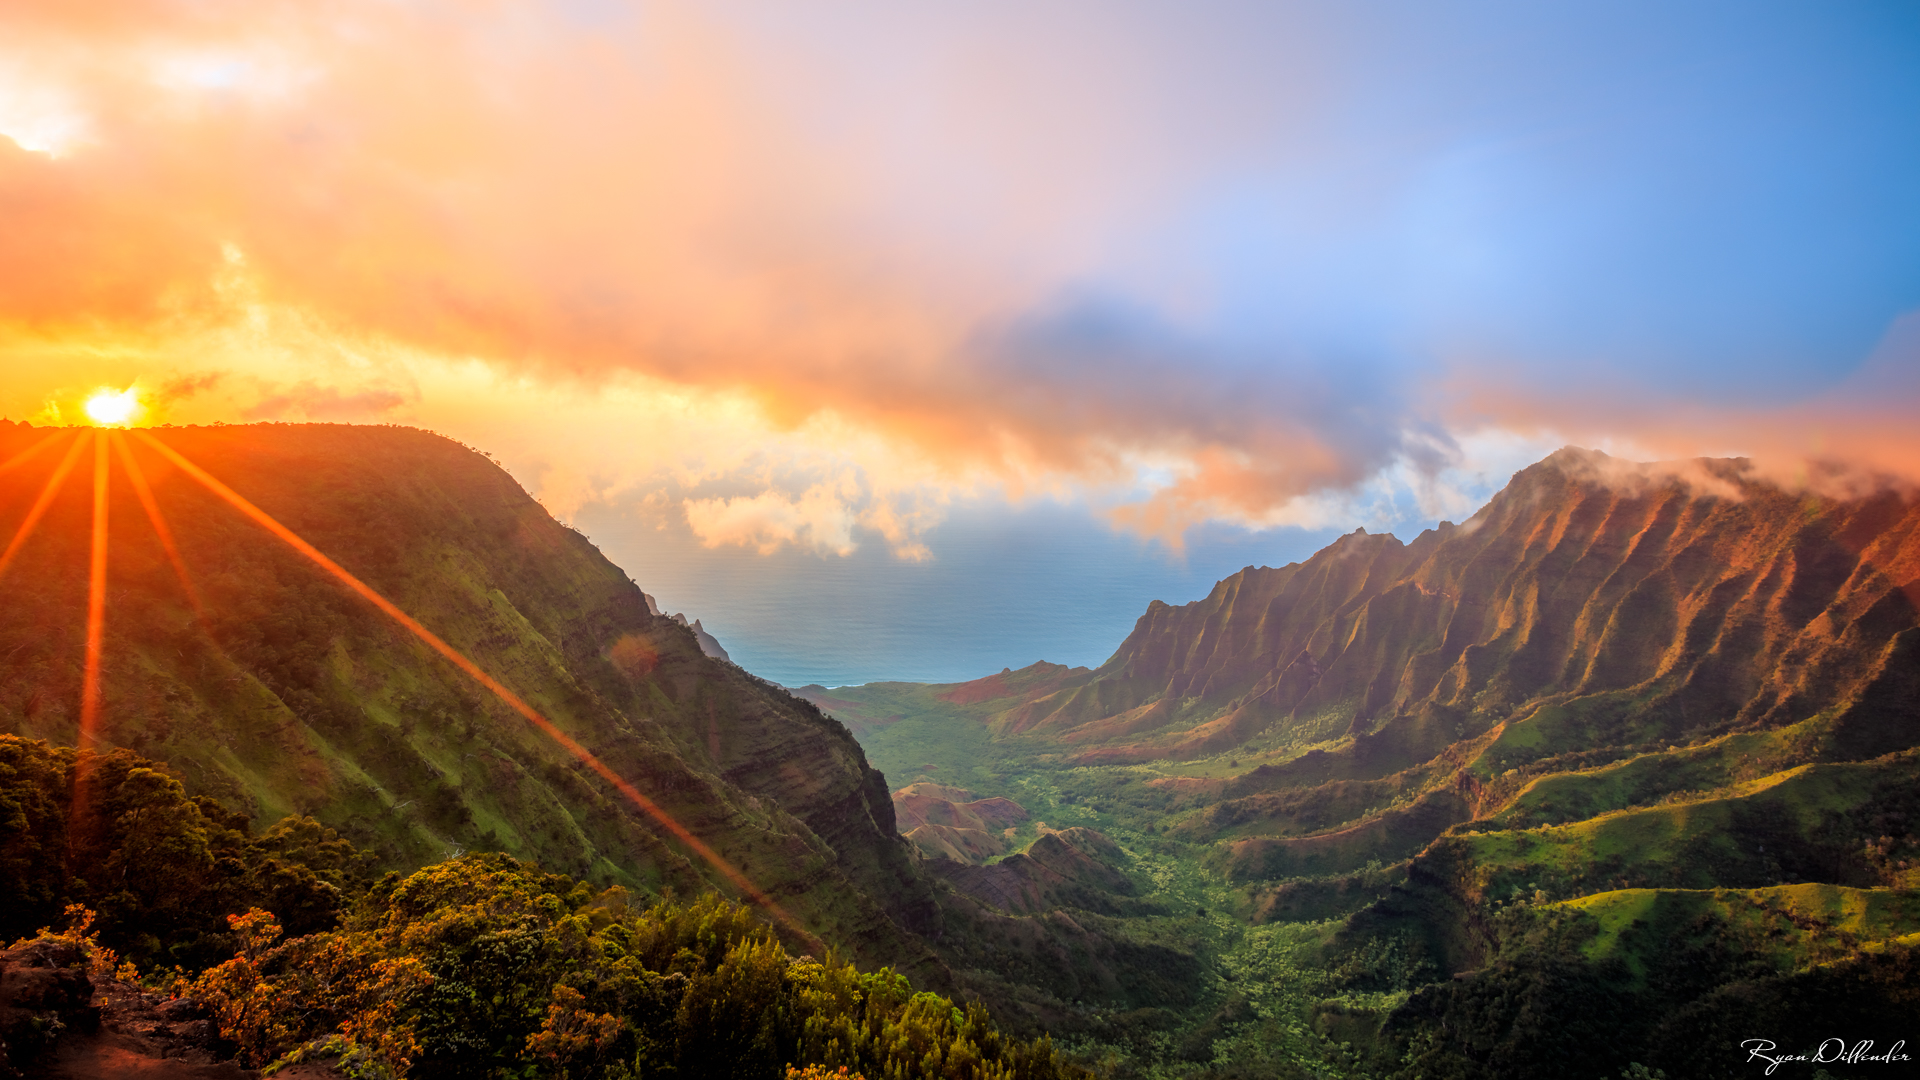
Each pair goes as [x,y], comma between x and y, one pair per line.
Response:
[104,1054]
[144,1036]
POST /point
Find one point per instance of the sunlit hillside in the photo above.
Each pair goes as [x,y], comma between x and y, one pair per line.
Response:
[268,684]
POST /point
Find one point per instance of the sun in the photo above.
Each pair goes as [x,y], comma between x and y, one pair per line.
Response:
[114,408]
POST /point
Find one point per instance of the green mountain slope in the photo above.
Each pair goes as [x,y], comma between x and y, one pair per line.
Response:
[293,695]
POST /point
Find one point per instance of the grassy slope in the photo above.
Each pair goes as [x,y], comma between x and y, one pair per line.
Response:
[1789,926]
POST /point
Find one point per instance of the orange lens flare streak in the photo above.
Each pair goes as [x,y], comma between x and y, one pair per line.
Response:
[24,456]
[519,705]
[96,595]
[40,505]
[144,492]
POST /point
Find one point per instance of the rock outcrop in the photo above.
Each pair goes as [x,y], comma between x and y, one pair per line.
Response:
[44,993]
[709,644]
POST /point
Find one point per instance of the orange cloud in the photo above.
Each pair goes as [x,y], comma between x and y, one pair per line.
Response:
[1854,437]
[311,402]
[647,195]
[182,387]
[819,519]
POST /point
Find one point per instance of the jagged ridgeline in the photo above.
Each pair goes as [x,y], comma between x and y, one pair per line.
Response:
[1621,709]
[287,694]
[1666,604]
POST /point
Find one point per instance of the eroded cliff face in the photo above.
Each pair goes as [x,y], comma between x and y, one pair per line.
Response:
[276,690]
[950,823]
[1343,712]
[1688,599]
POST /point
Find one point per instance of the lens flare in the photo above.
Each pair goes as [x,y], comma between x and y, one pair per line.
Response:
[40,505]
[96,596]
[114,408]
[144,492]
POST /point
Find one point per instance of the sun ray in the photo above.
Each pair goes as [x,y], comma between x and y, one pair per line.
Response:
[96,595]
[26,455]
[473,671]
[144,492]
[40,505]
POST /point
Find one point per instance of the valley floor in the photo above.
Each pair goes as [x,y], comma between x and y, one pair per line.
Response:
[1742,856]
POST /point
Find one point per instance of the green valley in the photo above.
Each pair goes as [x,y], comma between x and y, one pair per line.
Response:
[1634,745]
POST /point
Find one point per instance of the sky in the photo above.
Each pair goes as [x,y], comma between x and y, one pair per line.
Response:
[915,341]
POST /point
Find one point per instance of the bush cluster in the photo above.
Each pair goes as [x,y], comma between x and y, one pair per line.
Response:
[484,966]
[117,834]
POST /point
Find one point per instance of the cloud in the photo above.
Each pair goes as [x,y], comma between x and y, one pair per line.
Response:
[1241,266]
[818,519]
[183,387]
[1853,437]
[325,403]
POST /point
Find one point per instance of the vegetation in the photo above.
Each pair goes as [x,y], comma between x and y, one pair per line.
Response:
[480,966]
[484,966]
[1607,940]
[1675,979]
[117,834]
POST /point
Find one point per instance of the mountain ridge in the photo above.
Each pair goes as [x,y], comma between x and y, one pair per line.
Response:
[275,690]
[1374,630]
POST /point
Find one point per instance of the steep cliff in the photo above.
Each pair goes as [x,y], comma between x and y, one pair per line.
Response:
[269,686]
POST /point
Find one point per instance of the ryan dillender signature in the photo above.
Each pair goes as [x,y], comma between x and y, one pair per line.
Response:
[1829,1052]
